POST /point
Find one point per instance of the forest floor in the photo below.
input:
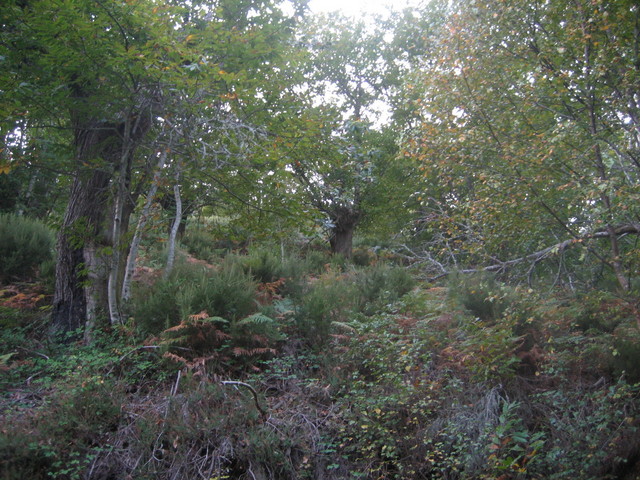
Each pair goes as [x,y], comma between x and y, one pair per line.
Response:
[417,387]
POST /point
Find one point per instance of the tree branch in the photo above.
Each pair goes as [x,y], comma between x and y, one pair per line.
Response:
[262,411]
[540,255]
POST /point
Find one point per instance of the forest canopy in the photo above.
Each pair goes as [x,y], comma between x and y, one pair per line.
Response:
[242,240]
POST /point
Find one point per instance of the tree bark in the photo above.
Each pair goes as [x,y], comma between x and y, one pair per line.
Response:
[171,254]
[341,241]
[142,222]
[341,234]
[83,264]
[77,271]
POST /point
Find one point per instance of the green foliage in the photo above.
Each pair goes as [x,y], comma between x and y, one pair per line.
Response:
[583,429]
[329,299]
[625,353]
[22,457]
[226,292]
[263,264]
[191,288]
[514,450]
[481,294]
[488,351]
[155,307]
[400,389]
[24,245]
[495,137]
[201,244]
[380,285]
[601,311]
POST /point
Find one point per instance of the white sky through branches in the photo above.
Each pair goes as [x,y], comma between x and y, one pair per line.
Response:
[355,8]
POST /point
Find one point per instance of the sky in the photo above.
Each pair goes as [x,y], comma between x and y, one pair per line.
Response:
[356,7]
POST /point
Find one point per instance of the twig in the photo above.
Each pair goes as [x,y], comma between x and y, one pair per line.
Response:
[262,411]
[35,353]
[174,390]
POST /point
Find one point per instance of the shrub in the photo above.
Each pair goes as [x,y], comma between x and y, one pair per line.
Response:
[21,457]
[380,285]
[25,243]
[201,244]
[363,257]
[481,294]
[626,353]
[601,311]
[263,264]
[155,307]
[590,432]
[228,293]
[330,299]
[190,289]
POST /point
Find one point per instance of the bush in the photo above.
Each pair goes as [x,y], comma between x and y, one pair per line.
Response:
[155,308]
[24,244]
[330,299]
[228,293]
[190,289]
[481,294]
[380,285]
[626,352]
[201,244]
[263,264]
[601,311]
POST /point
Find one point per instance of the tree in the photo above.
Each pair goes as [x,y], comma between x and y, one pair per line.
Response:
[335,185]
[529,133]
[334,165]
[105,73]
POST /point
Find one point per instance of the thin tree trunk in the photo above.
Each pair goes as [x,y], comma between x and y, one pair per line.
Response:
[171,254]
[142,223]
[118,227]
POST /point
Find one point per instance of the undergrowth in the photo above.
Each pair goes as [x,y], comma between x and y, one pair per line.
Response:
[272,368]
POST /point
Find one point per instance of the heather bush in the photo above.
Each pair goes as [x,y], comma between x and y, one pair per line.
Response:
[330,298]
[226,292]
[481,294]
[380,285]
[25,243]
[201,244]
[190,289]
[263,264]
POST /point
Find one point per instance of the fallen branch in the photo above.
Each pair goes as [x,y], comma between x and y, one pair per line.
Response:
[262,411]
[553,250]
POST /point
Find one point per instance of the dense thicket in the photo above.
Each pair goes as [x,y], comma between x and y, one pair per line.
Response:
[529,139]
[295,246]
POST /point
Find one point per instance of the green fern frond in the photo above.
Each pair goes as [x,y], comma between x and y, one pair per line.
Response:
[256,319]
[215,320]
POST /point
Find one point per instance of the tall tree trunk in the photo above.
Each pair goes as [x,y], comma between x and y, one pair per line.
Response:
[82,270]
[341,234]
[341,241]
[78,272]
